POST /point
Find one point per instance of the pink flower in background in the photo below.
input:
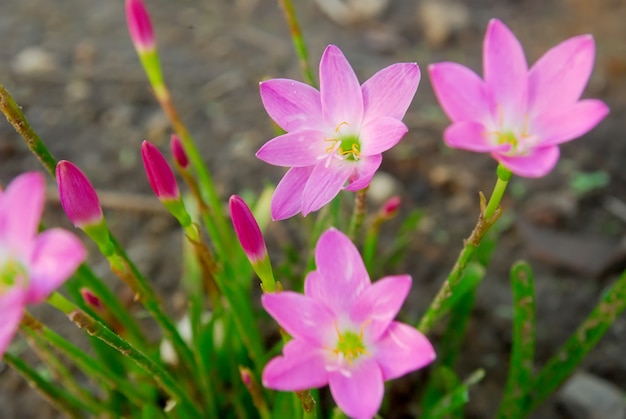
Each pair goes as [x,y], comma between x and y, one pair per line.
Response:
[518,115]
[343,331]
[32,264]
[335,136]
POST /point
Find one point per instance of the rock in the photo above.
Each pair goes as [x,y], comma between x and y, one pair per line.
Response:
[349,12]
[34,61]
[585,396]
[585,254]
[441,19]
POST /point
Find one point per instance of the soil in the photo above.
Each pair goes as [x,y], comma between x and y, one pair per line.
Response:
[71,66]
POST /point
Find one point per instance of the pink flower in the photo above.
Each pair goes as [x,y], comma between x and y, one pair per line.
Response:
[140,26]
[343,331]
[78,196]
[335,136]
[180,157]
[519,116]
[32,265]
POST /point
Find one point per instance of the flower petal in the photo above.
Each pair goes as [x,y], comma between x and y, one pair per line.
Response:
[302,367]
[537,163]
[326,181]
[390,91]
[56,255]
[287,198]
[401,350]
[380,304]
[340,91]
[301,316]
[21,210]
[12,308]
[470,136]
[461,93]
[559,77]
[505,71]
[570,122]
[360,394]
[291,104]
[365,171]
[340,276]
[380,134]
[295,149]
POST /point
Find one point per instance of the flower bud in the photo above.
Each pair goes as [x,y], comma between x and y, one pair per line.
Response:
[251,239]
[390,207]
[78,197]
[159,172]
[180,157]
[91,299]
[139,26]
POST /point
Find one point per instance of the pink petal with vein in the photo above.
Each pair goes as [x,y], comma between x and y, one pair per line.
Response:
[537,163]
[295,149]
[569,123]
[325,183]
[380,134]
[559,77]
[401,350]
[461,93]
[287,198]
[505,69]
[380,303]
[292,105]
[12,308]
[302,367]
[361,394]
[302,317]
[471,136]
[22,209]
[340,91]
[365,171]
[56,255]
[341,275]
[390,91]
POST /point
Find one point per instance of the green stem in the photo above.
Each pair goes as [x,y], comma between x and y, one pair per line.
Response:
[55,395]
[436,308]
[16,117]
[571,354]
[60,372]
[298,40]
[100,331]
[89,365]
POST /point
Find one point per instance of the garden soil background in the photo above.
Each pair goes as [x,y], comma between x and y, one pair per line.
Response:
[71,65]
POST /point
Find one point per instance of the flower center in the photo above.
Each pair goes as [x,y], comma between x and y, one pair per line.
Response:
[342,147]
[350,345]
[10,272]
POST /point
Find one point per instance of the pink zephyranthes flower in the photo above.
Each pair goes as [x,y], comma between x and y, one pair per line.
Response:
[335,136]
[32,265]
[518,115]
[343,331]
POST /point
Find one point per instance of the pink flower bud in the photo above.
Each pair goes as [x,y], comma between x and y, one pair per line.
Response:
[91,299]
[390,208]
[139,26]
[179,152]
[247,230]
[160,174]
[78,197]
[246,377]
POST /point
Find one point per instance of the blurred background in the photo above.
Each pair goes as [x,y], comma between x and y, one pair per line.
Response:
[71,65]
